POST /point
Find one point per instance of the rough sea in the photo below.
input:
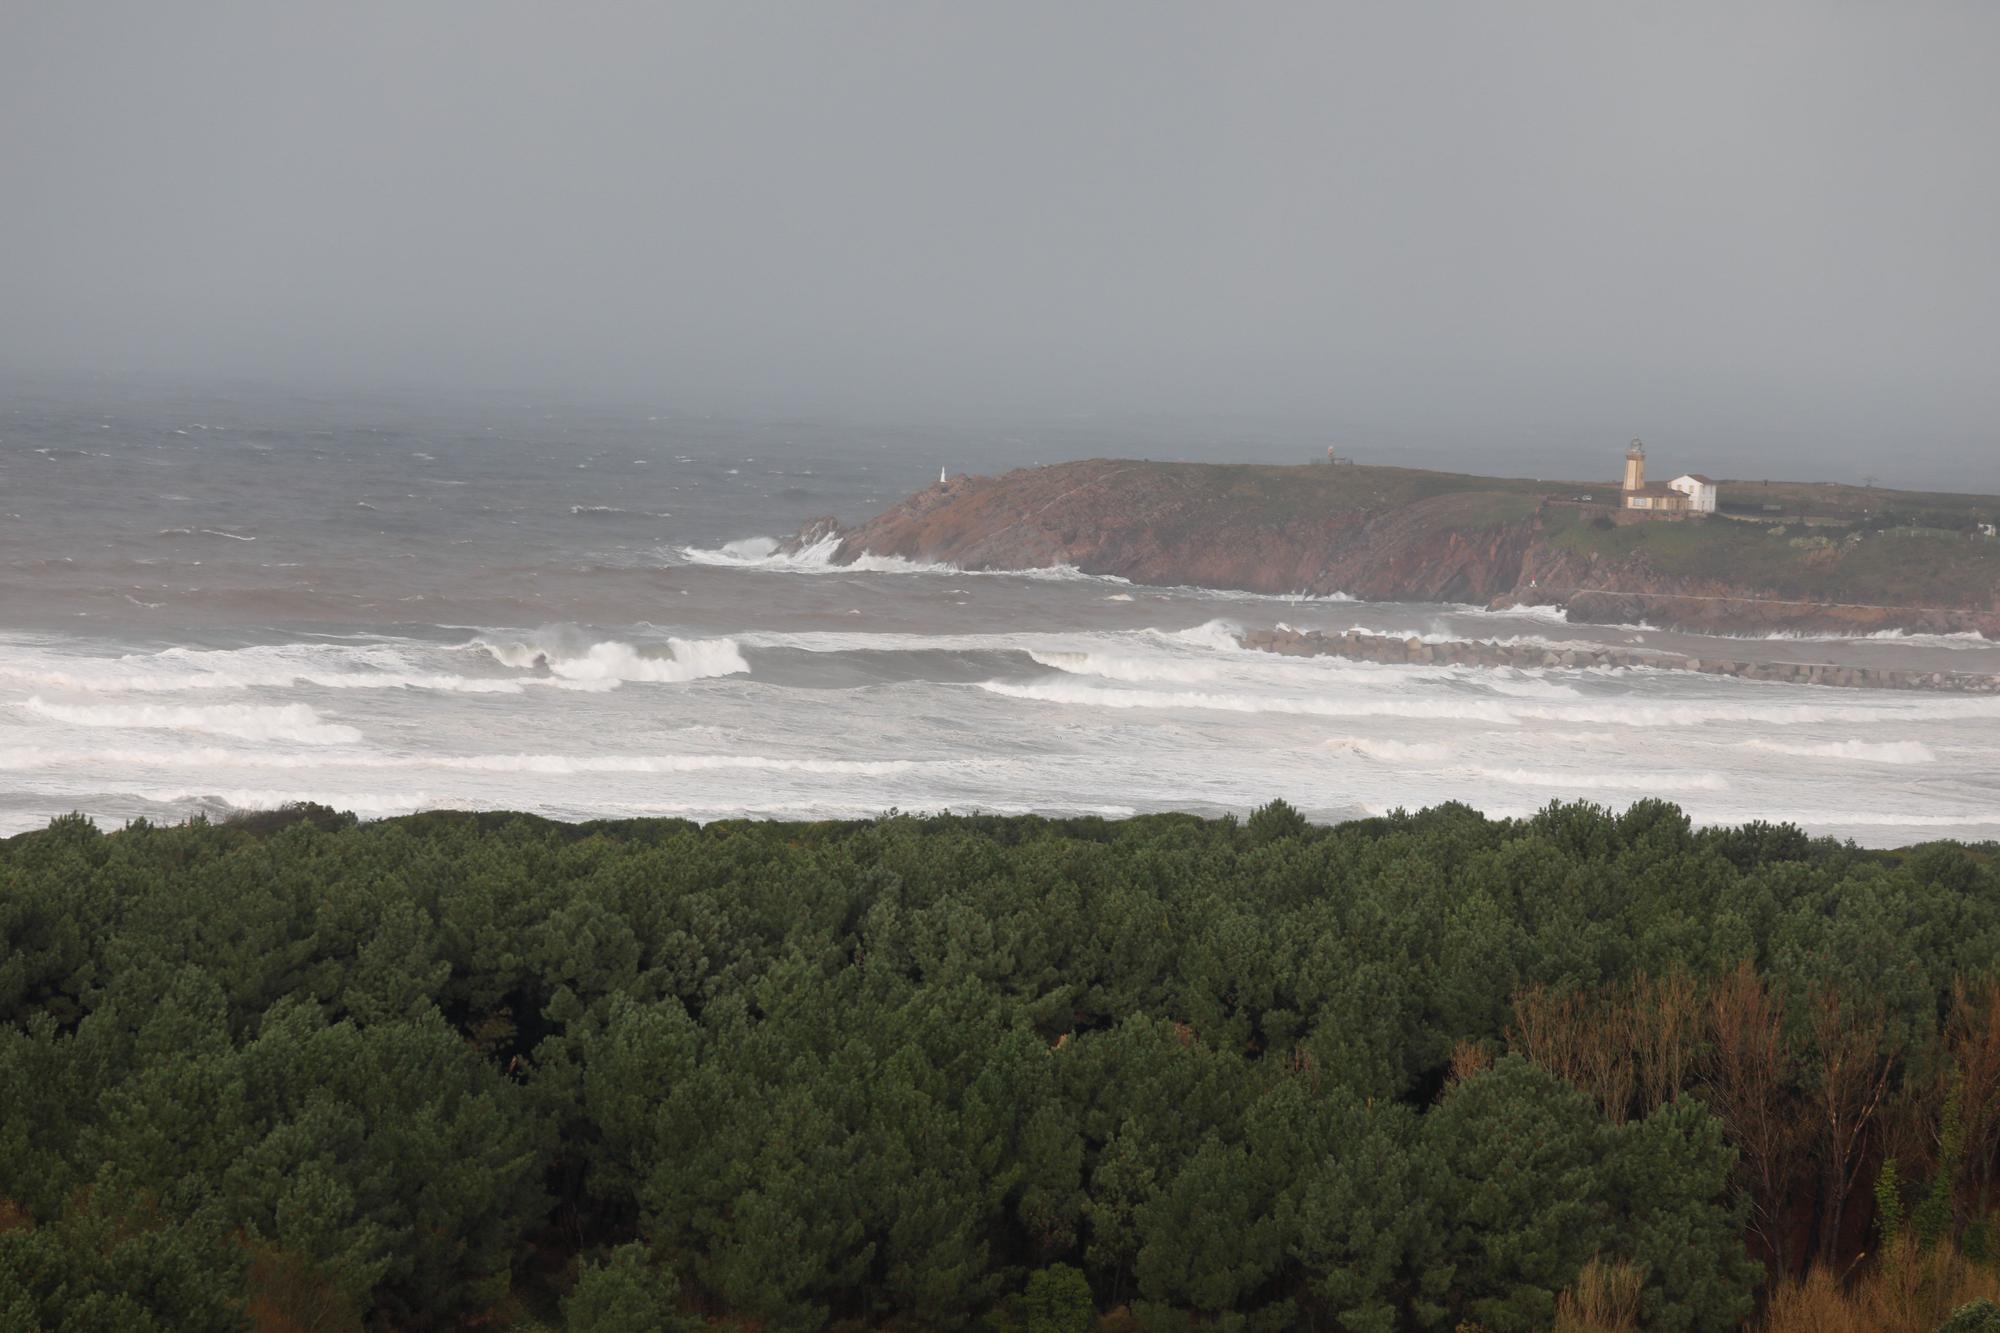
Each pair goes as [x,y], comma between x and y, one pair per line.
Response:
[219,602]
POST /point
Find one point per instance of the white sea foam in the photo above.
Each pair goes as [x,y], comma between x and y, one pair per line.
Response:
[1215,635]
[372,805]
[610,662]
[1203,654]
[692,659]
[1076,693]
[204,532]
[1913,638]
[1961,639]
[762,553]
[251,722]
[1521,685]
[275,666]
[210,758]
[1874,752]
[1552,615]
[1662,782]
[1391,751]
[1441,636]
[1627,713]
[613,511]
[1219,635]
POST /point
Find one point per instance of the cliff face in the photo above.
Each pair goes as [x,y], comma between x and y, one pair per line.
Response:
[1370,532]
[1398,534]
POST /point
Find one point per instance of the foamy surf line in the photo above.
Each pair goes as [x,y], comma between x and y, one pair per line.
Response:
[296,723]
[188,800]
[114,681]
[610,662]
[1631,714]
[208,758]
[1911,638]
[569,664]
[1661,783]
[1873,752]
[763,554]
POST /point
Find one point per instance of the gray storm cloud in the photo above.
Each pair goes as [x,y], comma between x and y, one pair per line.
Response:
[1761,235]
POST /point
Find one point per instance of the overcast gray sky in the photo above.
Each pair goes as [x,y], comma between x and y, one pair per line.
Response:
[1755,234]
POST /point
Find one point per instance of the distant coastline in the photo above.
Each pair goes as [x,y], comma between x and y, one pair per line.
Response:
[1778,557]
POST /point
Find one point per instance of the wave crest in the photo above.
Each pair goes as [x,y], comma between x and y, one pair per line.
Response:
[274,666]
[297,723]
[1505,712]
[1874,752]
[762,553]
[1392,751]
[609,662]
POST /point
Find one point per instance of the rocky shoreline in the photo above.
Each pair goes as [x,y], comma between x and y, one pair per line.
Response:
[1406,535]
[1360,647]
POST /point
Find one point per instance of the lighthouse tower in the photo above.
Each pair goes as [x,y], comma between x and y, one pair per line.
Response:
[1635,467]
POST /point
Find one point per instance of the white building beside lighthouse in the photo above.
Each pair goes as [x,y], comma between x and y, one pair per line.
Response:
[1689,493]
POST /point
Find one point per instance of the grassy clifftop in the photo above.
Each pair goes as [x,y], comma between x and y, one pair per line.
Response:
[1319,490]
[1390,533]
[1895,566]
[1810,540]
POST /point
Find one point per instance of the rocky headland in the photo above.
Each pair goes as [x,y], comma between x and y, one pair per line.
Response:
[1801,558]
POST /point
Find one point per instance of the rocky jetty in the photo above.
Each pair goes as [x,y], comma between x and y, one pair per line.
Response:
[1360,647]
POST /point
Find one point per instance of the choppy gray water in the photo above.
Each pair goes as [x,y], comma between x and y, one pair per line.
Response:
[215,603]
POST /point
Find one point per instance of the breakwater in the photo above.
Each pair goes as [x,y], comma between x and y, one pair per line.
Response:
[1360,647]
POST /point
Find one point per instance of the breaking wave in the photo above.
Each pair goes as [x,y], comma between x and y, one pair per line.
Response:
[609,662]
[250,722]
[209,758]
[1436,636]
[1874,752]
[613,511]
[1113,666]
[179,670]
[1913,638]
[762,553]
[1510,681]
[204,532]
[1542,611]
[1960,639]
[1633,714]
[1639,781]
[1392,751]
[244,799]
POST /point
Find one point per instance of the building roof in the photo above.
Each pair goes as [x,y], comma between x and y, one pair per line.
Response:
[1653,488]
[1696,476]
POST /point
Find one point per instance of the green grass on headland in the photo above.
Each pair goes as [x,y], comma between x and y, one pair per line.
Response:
[1891,567]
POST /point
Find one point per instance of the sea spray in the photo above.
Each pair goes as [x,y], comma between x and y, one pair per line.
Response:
[607,663]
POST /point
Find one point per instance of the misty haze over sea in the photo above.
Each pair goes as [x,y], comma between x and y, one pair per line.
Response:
[216,602]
